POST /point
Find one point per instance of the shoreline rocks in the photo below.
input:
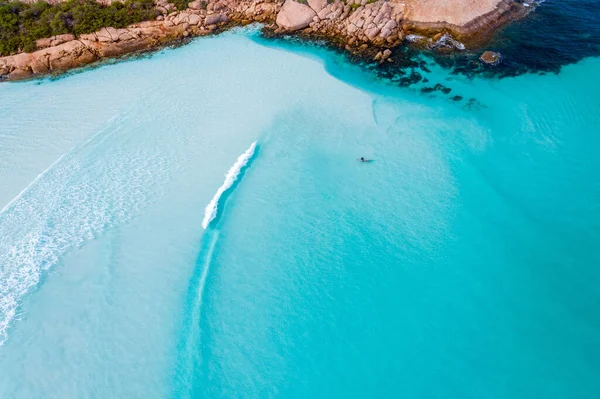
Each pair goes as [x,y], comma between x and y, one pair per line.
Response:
[360,27]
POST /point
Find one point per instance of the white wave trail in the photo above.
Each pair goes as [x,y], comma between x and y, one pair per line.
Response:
[211,209]
[14,200]
[58,160]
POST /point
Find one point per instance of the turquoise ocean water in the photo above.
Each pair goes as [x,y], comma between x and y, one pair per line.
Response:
[462,263]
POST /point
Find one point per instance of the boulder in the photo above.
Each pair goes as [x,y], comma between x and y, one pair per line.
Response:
[148,31]
[371,33]
[4,70]
[181,18]
[40,66]
[117,48]
[317,5]
[294,16]
[21,61]
[19,73]
[391,25]
[194,19]
[107,35]
[324,12]
[491,58]
[54,40]
[68,55]
[197,5]
[43,43]
[214,19]
[89,37]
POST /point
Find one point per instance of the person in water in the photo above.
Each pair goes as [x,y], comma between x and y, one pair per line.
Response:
[362,159]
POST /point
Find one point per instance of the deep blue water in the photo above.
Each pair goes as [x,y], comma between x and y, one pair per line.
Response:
[462,262]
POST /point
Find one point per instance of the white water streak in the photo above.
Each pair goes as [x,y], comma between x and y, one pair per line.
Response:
[92,187]
[30,185]
[14,200]
[211,209]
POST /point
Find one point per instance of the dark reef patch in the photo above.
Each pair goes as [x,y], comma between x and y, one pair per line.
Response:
[437,87]
[472,104]
[442,88]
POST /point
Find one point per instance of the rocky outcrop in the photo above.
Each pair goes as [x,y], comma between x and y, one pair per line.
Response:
[374,22]
[58,58]
[472,20]
[371,29]
[54,40]
[294,16]
[107,42]
[490,58]
[64,52]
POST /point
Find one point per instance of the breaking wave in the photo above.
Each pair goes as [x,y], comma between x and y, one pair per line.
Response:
[414,38]
[211,209]
[448,41]
[88,190]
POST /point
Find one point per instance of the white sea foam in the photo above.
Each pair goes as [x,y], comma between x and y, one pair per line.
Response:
[10,204]
[211,209]
[413,38]
[89,189]
[448,41]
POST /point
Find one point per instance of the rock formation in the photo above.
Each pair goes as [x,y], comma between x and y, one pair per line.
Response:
[294,16]
[356,25]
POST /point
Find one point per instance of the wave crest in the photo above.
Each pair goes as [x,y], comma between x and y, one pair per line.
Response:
[211,209]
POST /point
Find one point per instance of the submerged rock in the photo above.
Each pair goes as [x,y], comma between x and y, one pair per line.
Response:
[491,58]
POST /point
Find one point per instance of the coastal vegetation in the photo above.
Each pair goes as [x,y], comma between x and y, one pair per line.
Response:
[22,24]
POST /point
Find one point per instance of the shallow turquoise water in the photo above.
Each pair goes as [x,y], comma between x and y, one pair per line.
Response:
[463,262]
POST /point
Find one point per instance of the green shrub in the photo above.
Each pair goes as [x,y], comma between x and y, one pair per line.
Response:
[22,24]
